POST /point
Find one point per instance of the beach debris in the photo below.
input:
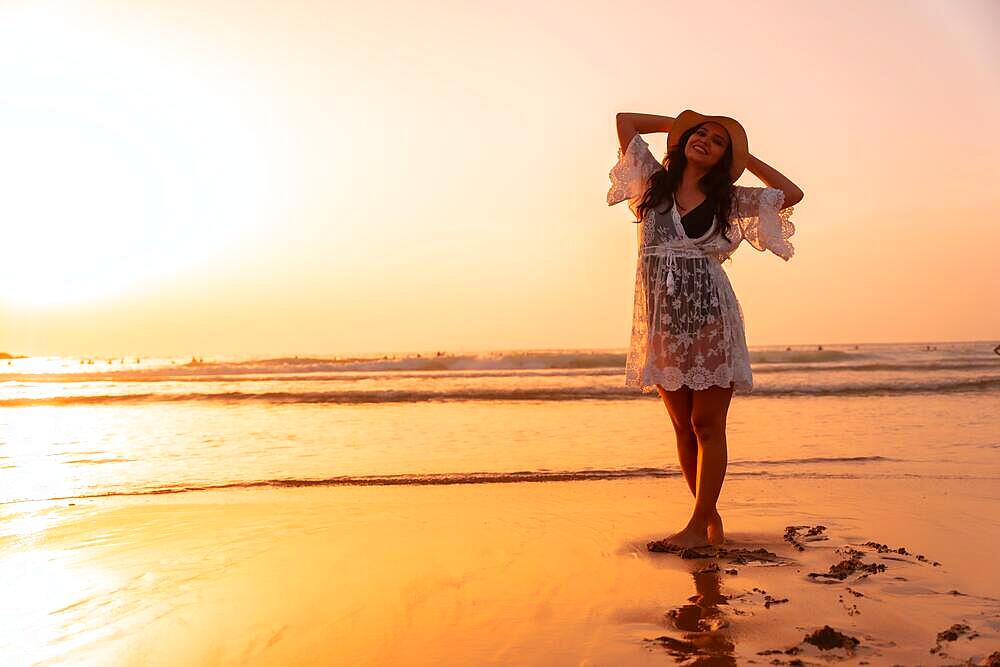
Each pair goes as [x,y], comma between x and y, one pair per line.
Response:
[739,555]
[847,567]
[994,658]
[768,598]
[731,570]
[952,634]
[796,537]
[851,609]
[826,638]
[850,565]
[744,556]
[850,551]
[885,549]
[664,546]
[794,650]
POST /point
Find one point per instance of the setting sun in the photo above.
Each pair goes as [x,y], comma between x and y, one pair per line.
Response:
[121,163]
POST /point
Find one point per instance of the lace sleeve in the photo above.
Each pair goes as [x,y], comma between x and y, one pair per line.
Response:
[631,172]
[762,222]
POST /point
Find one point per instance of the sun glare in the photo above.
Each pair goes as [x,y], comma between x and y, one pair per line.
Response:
[122,162]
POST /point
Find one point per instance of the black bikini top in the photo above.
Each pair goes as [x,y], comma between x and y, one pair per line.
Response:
[698,220]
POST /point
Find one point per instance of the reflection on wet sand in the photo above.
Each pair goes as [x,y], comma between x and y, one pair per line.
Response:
[705,628]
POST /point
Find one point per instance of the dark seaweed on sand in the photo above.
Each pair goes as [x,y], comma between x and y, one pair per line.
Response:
[740,555]
[847,567]
[794,535]
[827,638]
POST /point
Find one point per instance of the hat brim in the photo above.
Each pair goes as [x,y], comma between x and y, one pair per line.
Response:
[737,136]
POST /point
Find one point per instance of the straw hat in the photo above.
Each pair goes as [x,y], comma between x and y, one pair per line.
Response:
[737,136]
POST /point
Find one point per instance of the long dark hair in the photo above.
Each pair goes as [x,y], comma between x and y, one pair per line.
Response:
[716,184]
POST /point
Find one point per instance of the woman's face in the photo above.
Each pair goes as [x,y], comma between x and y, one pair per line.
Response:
[707,145]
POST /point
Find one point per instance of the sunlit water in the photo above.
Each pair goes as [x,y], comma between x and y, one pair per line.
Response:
[76,428]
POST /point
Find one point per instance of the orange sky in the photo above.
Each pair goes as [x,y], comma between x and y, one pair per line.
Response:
[286,177]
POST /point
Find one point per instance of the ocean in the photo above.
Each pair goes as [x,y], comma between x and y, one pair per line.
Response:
[75,428]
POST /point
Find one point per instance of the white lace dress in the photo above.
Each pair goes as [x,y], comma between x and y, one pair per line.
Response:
[687,325]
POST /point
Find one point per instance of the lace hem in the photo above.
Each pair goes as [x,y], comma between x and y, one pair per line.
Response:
[673,378]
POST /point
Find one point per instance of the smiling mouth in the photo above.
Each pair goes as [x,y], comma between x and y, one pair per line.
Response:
[700,149]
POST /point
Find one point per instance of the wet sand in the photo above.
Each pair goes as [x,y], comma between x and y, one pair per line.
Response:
[555,573]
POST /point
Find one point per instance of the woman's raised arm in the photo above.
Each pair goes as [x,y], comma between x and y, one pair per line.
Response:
[775,179]
[630,124]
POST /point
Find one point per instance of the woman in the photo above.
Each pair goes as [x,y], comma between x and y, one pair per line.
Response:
[688,338]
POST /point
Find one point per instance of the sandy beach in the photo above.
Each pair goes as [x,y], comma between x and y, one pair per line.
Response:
[506,574]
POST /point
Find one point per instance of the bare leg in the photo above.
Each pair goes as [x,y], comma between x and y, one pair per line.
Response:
[708,418]
[716,534]
[687,454]
[679,402]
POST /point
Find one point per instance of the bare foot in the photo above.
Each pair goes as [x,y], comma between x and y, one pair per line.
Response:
[690,537]
[716,535]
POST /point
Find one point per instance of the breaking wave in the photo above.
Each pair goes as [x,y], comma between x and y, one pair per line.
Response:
[355,397]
